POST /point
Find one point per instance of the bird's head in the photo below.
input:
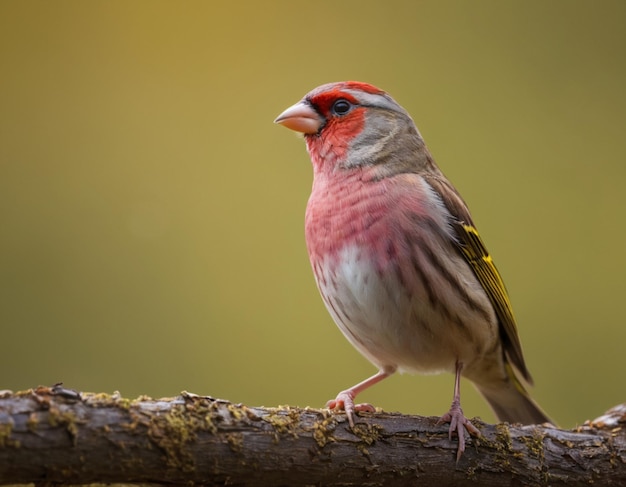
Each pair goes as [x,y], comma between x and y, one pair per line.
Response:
[351,124]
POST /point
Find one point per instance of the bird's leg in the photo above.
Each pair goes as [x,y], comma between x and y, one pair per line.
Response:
[458,422]
[345,399]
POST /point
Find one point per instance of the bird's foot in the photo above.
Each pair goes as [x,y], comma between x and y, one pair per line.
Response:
[345,401]
[458,424]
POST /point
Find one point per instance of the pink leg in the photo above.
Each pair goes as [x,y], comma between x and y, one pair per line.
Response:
[345,399]
[456,418]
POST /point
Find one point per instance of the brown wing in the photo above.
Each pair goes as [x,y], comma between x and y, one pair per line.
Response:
[475,253]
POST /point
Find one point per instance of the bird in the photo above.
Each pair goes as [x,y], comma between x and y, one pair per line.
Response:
[397,258]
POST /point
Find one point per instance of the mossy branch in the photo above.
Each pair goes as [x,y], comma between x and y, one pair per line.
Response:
[56,435]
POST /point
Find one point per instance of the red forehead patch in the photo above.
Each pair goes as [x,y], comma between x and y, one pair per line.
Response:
[344,85]
[357,85]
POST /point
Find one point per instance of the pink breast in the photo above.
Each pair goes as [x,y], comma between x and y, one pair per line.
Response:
[350,208]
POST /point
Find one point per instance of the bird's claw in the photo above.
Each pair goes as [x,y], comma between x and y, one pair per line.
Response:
[345,401]
[458,424]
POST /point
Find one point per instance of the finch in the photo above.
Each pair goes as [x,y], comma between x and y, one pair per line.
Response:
[397,259]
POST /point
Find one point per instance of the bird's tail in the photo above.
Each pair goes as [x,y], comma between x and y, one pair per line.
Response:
[511,402]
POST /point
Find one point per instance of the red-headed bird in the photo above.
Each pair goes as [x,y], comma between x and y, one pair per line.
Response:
[397,258]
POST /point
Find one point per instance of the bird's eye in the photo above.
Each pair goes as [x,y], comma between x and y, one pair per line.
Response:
[341,107]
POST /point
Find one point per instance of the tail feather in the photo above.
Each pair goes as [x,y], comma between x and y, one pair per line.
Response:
[511,402]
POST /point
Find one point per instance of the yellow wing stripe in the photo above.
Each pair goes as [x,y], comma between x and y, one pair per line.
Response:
[478,257]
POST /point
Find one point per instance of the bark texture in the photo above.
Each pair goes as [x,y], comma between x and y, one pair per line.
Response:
[56,435]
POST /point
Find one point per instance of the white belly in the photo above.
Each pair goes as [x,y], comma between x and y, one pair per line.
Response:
[400,329]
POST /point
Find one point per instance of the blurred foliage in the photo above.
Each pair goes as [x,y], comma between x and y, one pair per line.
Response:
[152,215]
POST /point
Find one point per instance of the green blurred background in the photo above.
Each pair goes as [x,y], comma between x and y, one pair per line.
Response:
[151,214]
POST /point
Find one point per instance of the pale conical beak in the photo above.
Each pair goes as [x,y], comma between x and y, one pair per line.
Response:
[301,117]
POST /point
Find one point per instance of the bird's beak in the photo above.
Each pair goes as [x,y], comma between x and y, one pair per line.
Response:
[301,117]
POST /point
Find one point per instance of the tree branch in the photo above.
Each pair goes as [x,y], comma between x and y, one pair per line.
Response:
[56,435]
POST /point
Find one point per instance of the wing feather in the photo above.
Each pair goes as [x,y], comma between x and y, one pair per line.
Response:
[471,246]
